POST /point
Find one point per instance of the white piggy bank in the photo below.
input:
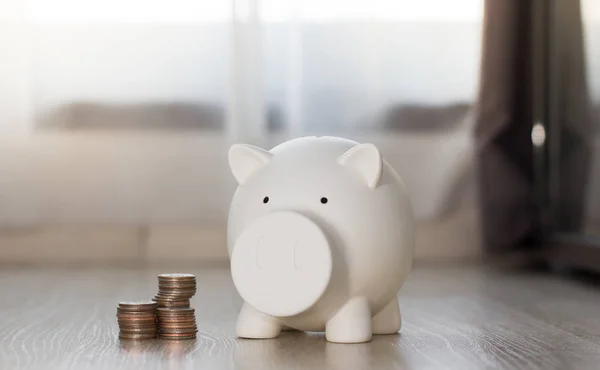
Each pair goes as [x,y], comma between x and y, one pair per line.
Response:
[320,238]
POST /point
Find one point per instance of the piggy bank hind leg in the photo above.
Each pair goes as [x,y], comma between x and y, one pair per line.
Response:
[388,320]
[256,325]
[351,324]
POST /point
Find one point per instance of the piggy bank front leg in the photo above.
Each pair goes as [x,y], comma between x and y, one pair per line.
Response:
[256,325]
[351,324]
[388,320]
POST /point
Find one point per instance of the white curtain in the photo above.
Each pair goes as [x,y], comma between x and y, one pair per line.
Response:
[89,89]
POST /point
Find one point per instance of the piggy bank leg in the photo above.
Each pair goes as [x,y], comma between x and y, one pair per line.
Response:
[256,325]
[351,324]
[388,320]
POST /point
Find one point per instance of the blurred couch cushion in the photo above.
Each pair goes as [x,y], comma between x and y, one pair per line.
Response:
[174,116]
[418,117]
[155,115]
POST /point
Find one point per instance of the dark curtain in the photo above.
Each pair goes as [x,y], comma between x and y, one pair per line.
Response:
[571,113]
[515,70]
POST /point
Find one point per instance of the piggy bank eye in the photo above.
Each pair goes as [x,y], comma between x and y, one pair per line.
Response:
[324,200]
[266,200]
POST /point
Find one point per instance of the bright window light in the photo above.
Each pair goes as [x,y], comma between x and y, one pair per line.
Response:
[90,11]
[590,9]
[400,10]
[93,11]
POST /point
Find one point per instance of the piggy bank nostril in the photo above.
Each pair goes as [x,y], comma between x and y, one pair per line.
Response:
[298,262]
[301,255]
[258,254]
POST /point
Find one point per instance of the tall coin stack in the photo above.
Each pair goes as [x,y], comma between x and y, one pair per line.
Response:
[137,320]
[176,320]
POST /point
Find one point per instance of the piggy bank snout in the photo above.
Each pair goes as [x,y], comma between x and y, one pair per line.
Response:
[281,264]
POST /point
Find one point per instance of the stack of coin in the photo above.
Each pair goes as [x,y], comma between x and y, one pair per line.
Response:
[137,320]
[176,323]
[175,290]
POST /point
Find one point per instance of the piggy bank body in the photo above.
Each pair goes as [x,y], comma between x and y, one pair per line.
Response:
[320,238]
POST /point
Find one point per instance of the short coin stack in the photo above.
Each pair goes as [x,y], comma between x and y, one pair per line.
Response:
[137,320]
[176,323]
[175,290]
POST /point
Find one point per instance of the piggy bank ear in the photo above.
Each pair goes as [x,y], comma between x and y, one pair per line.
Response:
[245,160]
[366,161]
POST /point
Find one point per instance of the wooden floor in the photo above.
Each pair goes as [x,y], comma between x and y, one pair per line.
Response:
[454,318]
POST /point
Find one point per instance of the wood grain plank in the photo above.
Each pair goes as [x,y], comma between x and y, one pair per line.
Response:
[454,318]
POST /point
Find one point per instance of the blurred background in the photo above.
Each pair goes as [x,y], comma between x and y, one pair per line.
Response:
[116,116]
